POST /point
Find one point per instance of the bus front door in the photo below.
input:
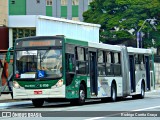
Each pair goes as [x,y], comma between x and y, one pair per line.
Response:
[132,73]
[147,72]
[93,73]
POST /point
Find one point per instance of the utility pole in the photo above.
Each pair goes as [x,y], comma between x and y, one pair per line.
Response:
[139,34]
[139,43]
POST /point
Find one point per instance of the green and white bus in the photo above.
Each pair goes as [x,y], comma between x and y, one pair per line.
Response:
[55,67]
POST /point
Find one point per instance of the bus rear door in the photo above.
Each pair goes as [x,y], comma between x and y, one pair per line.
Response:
[132,73]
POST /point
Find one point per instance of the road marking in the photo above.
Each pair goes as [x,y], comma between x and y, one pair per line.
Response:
[95,118]
[147,108]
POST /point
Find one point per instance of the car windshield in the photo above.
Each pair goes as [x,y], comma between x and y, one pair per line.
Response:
[39,64]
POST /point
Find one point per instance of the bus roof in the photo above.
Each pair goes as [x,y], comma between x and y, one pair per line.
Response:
[105,46]
[39,37]
[139,50]
[91,44]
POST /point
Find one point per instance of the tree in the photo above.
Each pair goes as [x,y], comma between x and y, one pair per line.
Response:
[121,19]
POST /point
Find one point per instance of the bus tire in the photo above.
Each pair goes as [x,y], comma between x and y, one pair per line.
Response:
[142,94]
[82,94]
[113,93]
[38,102]
[81,99]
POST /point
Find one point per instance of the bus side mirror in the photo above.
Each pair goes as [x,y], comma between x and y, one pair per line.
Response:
[8,55]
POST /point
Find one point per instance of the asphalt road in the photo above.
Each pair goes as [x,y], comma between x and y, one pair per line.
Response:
[126,109]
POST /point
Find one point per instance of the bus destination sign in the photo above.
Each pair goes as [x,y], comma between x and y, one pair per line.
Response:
[38,43]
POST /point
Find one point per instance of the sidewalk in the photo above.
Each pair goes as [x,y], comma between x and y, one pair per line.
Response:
[155,91]
[8,98]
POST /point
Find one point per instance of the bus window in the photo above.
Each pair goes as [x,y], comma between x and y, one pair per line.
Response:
[108,55]
[109,66]
[81,68]
[117,65]
[141,62]
[100,57]
[136,62]
[101,64]
[47,61]
[80,54]
[86,54]
[80,61]
[70,65]
[50,61]
[116,60]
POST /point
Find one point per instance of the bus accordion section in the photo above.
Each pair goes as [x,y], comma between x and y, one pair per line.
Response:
[49,68]
[140,67]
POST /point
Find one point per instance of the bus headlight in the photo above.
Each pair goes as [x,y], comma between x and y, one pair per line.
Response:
[58,84]
[16,85]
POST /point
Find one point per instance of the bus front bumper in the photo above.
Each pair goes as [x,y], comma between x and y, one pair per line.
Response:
[39,93]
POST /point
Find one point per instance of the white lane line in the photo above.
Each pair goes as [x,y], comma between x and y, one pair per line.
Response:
[147,108]
[95,118]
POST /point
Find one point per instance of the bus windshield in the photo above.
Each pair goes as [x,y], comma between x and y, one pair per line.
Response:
[39,63]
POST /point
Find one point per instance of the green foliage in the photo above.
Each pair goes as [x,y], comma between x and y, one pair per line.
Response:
[121,19]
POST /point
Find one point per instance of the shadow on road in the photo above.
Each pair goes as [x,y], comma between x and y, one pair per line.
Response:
[88,102]
[28,104]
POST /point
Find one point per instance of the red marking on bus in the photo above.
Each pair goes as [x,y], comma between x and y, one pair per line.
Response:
[37,92]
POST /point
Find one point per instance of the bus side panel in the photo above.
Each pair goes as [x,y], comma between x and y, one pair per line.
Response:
[140,75]
[125,72]
[104,86]
[72,90]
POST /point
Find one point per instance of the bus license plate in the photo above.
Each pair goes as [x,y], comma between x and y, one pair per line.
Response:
[37,92]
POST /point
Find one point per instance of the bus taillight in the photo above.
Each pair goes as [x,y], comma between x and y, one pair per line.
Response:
[17,75]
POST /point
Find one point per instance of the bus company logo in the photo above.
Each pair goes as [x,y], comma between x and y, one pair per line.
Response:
[6,114]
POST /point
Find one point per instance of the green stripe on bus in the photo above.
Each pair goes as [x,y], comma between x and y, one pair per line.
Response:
[76,42]
[37,84]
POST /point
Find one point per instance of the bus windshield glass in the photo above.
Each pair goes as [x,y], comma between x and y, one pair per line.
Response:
[39,64]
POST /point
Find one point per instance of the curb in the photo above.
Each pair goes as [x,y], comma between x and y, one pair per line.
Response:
[6,98]
[153,92]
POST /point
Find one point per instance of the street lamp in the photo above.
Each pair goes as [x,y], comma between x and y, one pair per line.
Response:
[139,34]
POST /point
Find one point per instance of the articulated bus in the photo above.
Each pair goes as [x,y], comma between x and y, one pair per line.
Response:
[55,67]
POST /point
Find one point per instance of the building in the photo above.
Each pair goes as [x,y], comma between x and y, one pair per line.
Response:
[3,25]
[68,9]
[39,25]
[3,12]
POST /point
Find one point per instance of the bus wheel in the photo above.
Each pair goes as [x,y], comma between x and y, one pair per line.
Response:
[38,102]
[142,94]
[82,94]
[113,93]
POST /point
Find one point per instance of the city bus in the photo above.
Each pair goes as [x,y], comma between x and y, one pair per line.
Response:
[56,67]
